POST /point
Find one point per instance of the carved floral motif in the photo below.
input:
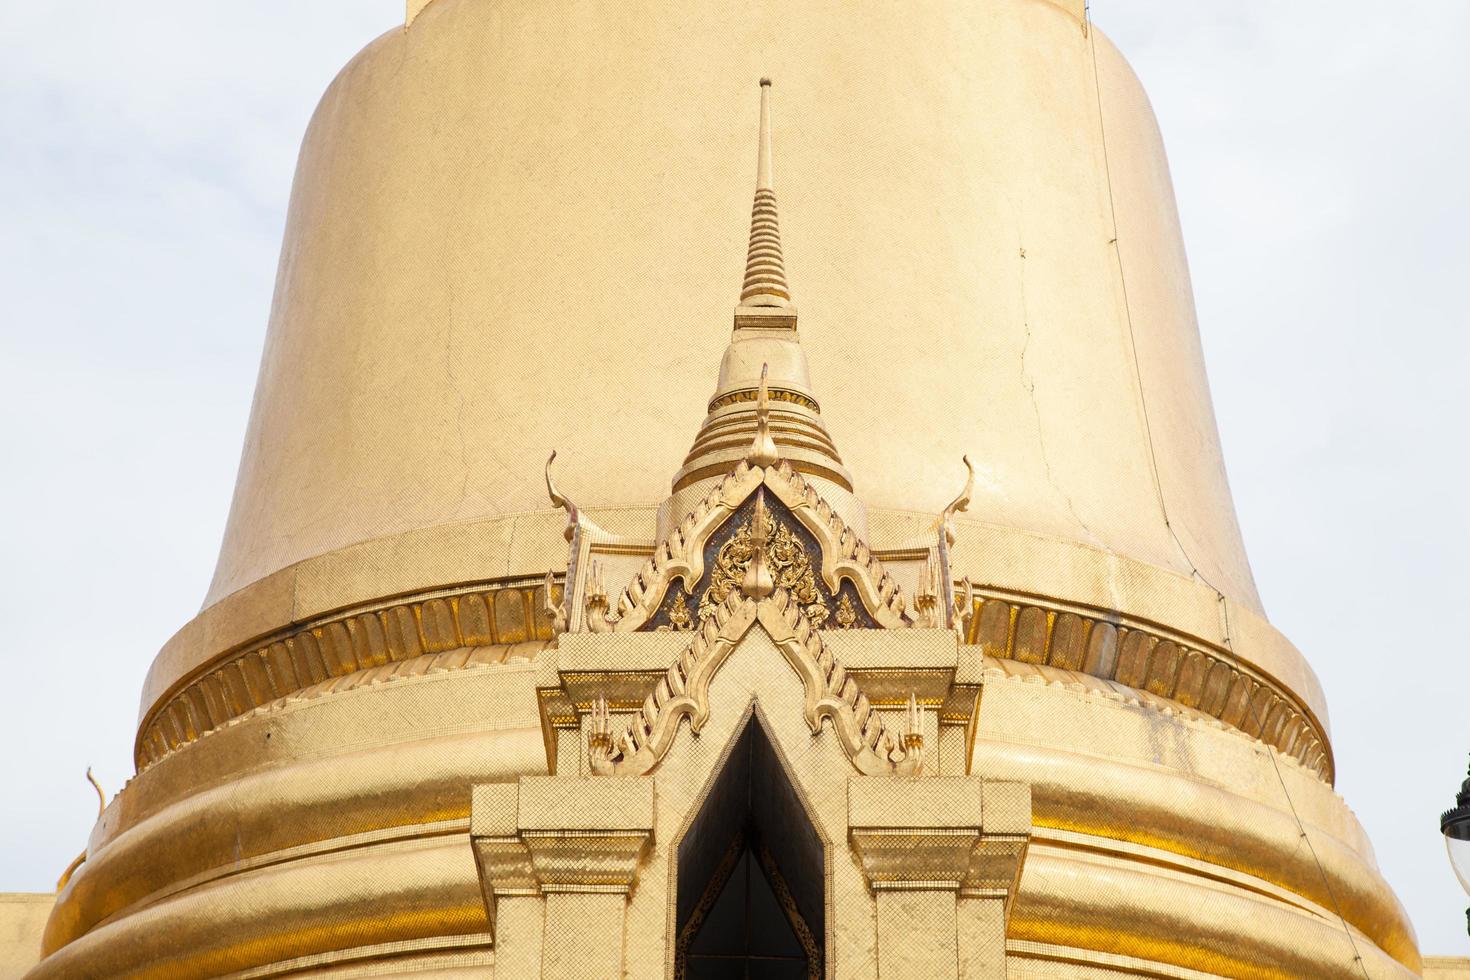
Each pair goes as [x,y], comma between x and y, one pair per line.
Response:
[846,613]
[787,560]
[680,619]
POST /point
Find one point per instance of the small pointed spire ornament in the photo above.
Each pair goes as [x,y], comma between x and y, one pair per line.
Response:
[913,735]
[763,450]
[965,608]
[599,737]
[557,610]
[764,334]
[595,604]
[765,271]
[758,582]
[926,596]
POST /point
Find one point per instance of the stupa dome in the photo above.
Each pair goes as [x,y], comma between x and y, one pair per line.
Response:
[433,710]
[507,236]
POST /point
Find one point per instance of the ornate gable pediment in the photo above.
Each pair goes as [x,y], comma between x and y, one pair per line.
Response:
[810,551]
[683,692]
[761,548]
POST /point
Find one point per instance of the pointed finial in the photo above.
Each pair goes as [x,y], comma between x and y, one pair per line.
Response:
[965,609]
[913,735]
[758,582]
[926,596]
[558,500]
[763,163]
[557,611]
[763,450]
[765,271]
[101,796]
[959,504]
[600,734]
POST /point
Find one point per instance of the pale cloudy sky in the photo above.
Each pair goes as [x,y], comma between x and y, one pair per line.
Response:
[1319,151]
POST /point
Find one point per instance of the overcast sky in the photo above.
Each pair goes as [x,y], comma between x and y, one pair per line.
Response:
[1319,152]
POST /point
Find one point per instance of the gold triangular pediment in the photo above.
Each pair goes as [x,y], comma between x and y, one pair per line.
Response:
[811,551]
[683,692]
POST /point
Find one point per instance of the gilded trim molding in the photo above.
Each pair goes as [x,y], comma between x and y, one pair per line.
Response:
[1149,660]
[315,660]
[775,395]
[303,658]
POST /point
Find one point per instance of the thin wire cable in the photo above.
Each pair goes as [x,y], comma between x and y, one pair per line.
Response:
[1128,316]
[1163,507]
[1321,871]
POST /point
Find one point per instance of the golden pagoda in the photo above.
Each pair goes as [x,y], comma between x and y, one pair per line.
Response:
[925,645]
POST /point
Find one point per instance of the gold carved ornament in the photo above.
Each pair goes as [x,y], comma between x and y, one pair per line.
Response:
[786,559]
[678,563]
[762,573]
[831,693]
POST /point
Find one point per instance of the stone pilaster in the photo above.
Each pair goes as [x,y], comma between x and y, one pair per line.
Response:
[989,888]
[557,857]
[507,880]
[941,877]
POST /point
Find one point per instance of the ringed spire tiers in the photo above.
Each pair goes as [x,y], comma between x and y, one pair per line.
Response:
[764,338]
[765,272]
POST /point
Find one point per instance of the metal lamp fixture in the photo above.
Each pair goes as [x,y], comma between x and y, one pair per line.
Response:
[1455,825]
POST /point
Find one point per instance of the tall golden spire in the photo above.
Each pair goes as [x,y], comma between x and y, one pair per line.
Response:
[765,273]
[764,382]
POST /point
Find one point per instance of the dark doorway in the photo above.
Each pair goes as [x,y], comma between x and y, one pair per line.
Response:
[752,875]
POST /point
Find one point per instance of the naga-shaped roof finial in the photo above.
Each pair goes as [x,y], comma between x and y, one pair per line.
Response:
[557,500]
[959,504]
[101,796]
